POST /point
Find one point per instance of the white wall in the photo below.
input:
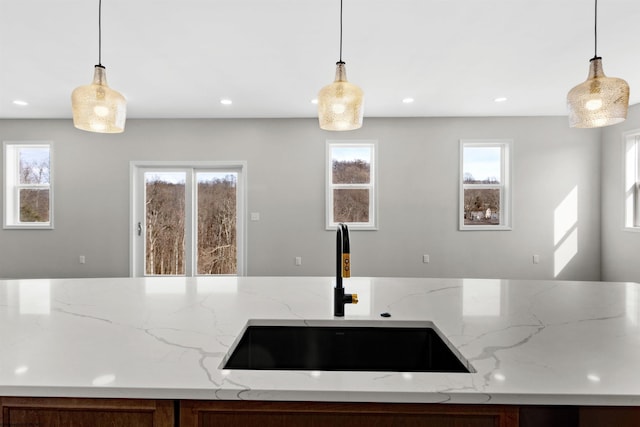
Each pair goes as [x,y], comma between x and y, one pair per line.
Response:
[620,248]
[418,190]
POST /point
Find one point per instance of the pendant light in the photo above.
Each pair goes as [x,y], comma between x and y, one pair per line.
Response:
[96,107]
[600,100]
[340,104]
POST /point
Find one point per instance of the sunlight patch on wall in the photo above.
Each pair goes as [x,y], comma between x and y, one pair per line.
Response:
[565,231]
[565,252]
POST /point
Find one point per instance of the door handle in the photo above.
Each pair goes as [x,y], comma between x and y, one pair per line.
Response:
[139,229]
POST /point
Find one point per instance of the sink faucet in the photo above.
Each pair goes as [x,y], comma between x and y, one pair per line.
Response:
[343,270]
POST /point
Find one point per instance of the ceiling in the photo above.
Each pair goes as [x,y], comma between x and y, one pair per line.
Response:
[179,58]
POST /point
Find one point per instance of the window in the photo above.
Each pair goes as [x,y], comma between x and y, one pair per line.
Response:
[187,219]
[485,185]
[351,184]
[28,195]
[632,181]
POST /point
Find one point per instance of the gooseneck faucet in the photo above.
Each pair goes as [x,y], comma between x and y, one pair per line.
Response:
[343,270]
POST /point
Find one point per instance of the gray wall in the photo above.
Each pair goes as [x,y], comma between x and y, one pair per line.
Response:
[620,248]
[418,190]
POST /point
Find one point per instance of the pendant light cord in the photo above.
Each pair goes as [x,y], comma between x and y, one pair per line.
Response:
[340,30]
[100,33]
[595,31]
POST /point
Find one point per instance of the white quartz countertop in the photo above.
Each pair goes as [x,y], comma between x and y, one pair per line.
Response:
[530,342]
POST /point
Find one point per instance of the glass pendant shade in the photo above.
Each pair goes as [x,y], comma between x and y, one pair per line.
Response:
[599,101]
[98,108]
[340,104]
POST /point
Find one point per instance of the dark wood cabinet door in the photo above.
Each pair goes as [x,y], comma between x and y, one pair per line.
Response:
[65,412]
[315,414]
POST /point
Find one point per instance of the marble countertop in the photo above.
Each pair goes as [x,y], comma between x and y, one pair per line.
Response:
[530,342]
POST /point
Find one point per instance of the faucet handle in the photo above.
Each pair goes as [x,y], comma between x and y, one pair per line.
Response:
[346,265]
[350,299]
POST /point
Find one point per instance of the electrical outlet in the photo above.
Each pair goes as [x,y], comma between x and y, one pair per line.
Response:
[536,259]
[425,258]
[81,259]
[255,216]
[298,260]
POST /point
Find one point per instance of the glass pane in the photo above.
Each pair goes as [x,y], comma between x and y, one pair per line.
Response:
[481,207]
[350,205]
[34,165]
[34,205]
[481,165]
[351,164]
[165,211]
[217,222]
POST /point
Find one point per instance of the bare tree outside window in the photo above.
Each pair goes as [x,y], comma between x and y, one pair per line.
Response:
[351,184]
[215,217]
[484,168]
[482,206]
[34,171]
[165,216]
[217,223]
[34,205]
[351,205]
[28,190]
[357,171]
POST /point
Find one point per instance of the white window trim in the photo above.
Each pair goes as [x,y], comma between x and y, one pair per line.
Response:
[11,196]
[372,186]
[507,187]
[631,178]
[134,210]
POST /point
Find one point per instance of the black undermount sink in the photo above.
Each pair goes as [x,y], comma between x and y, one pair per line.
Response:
[344,346]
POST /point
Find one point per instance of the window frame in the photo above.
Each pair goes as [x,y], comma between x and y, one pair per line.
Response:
[505,185]
[631,181]
[136,185]
[12,186]
[372,186]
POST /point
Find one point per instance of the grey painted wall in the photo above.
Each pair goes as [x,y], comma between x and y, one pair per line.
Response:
[418,190]
[620,248]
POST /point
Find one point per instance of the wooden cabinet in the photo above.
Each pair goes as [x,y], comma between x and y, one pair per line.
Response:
[64,412]
[579,416]
[316,414]
[609,416]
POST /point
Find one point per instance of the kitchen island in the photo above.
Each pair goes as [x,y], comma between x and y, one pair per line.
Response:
[535,343]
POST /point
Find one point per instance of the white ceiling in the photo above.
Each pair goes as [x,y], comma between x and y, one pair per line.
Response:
[179,58]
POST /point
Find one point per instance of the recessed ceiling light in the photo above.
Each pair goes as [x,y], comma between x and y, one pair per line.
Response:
[314,101]
[593,378]
[408,100]
[21,370]
[500,99]
[20,102]
[226,102]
